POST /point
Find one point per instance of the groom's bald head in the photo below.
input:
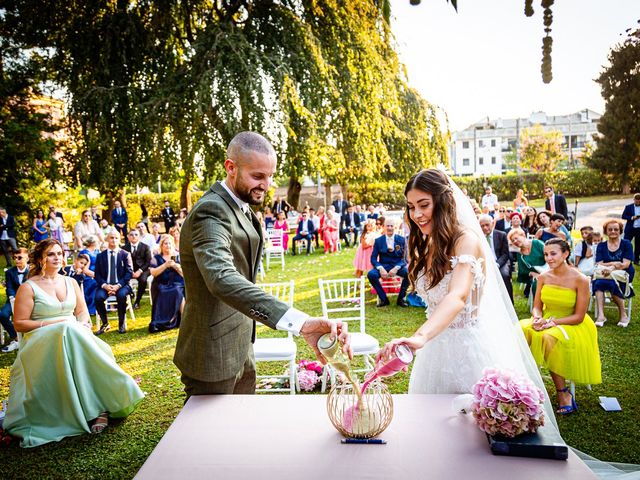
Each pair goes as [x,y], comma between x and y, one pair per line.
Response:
[250,165]
[245,142]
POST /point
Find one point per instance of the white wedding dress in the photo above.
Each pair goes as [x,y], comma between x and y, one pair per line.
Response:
[453,361]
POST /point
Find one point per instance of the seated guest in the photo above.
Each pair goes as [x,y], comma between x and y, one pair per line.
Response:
[502,221]
[596,238]
[330,229]
[175,233]
[362,260]
[612,256]
[388,259]
[531,258]
[113,272]
[54,225]
[281,224]
[372,213]
[167,290]
[529,223]
[141,259]
[182,216]
[380,226]
[361,214]
[89,286]
[145,237]
[583,255]
[269,219]
[350,226]
[313,216]
[105,228]
[76,271]
[305,231]
[119,218]
[553,230]
[500,248]
[64,381]
[14,277]
[95,216]
[85,227]
[561,335]
[516,222]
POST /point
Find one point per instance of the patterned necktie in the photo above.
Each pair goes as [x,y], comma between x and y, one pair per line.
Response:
[112,268]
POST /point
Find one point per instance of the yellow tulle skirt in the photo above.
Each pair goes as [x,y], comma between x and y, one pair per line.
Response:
[570,351]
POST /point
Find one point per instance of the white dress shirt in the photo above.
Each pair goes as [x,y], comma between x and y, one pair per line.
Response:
[293,319]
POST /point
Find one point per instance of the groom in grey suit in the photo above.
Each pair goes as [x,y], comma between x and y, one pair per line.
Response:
[220,248]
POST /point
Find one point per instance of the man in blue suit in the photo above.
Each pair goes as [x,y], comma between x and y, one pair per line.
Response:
[14,277]
[350,225]
[340,204]
[119,218]
[306,231]
[388,260]
[114,270]
[631,214]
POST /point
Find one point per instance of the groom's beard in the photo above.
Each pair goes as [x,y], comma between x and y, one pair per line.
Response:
[254,196]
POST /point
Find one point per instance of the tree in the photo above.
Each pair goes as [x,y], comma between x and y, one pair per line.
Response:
[618,144]
[540,151]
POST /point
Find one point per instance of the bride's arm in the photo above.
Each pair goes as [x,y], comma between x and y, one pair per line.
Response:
[23,308]
[450,306]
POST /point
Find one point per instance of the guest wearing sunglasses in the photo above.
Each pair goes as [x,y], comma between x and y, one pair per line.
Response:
[555,203]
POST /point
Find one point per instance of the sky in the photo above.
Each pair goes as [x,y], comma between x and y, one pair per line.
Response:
[485,59]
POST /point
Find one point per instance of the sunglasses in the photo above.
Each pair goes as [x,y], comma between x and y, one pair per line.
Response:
[501,211]
[19,257]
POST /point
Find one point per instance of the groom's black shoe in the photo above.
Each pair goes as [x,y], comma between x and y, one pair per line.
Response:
[402,303]
[382,303]
[105,327]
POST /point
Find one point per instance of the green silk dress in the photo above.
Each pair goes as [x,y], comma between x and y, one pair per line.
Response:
[63,377]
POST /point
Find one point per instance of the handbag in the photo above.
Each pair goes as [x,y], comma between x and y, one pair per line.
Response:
[621,277]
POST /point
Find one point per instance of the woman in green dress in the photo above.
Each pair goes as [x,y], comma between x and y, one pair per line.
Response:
[561,335]
[531,256]
[64,381]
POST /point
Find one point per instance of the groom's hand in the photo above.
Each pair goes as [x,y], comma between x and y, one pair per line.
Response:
[313,328]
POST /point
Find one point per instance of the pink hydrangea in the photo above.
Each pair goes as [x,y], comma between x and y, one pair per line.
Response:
[507,403]
[307,379]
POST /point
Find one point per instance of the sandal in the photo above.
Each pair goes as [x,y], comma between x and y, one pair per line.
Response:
[601,322]
[567,409]
[100,423]
[624,322]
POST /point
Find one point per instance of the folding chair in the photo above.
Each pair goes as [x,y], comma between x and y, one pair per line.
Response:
[301,246]
[344,300]
[281,349]
[111,304]
[274,247]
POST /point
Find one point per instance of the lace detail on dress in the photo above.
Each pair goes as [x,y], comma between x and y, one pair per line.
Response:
[468,316]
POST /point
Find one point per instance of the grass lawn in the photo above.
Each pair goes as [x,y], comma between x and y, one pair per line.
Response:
[123,447]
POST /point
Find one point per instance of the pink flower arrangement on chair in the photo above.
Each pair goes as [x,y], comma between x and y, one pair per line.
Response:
[309,373]
[507,403]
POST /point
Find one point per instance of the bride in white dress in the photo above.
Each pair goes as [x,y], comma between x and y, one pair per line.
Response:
[471,322]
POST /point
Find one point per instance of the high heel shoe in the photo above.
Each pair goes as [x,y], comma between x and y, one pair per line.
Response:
[624,324]
[600,323]
[567,409]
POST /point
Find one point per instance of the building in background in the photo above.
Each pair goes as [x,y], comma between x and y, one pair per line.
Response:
[484,147]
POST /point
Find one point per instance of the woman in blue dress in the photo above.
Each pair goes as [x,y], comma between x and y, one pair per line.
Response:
[167,289]
[613,255]
[40,231]
[553,229]
[89,285]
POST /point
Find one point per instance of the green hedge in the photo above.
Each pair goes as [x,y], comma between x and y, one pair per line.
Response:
[571,183]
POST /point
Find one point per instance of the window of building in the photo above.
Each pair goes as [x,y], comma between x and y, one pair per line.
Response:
[481,143]
[465,162]
[493,142]
[493,160]
[480,161]
[465,144]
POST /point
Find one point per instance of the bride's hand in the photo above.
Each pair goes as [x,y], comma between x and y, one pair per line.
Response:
[414,343]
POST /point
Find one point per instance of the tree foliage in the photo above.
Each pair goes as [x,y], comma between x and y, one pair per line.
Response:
[540,151]
[618,142]
[163,86]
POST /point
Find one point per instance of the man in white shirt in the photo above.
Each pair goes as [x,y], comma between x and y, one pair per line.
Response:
[489,200]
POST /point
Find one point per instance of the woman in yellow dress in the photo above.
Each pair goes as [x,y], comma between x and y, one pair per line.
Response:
[561,335]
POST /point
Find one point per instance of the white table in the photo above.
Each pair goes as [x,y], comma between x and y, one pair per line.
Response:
[291,437]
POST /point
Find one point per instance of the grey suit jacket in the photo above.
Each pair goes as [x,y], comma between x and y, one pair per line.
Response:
[220,250]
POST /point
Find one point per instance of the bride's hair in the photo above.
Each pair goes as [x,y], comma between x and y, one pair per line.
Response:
[38,256]
[437,248]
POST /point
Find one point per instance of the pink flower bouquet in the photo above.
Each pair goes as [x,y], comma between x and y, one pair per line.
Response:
[309,375]
[506,403]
